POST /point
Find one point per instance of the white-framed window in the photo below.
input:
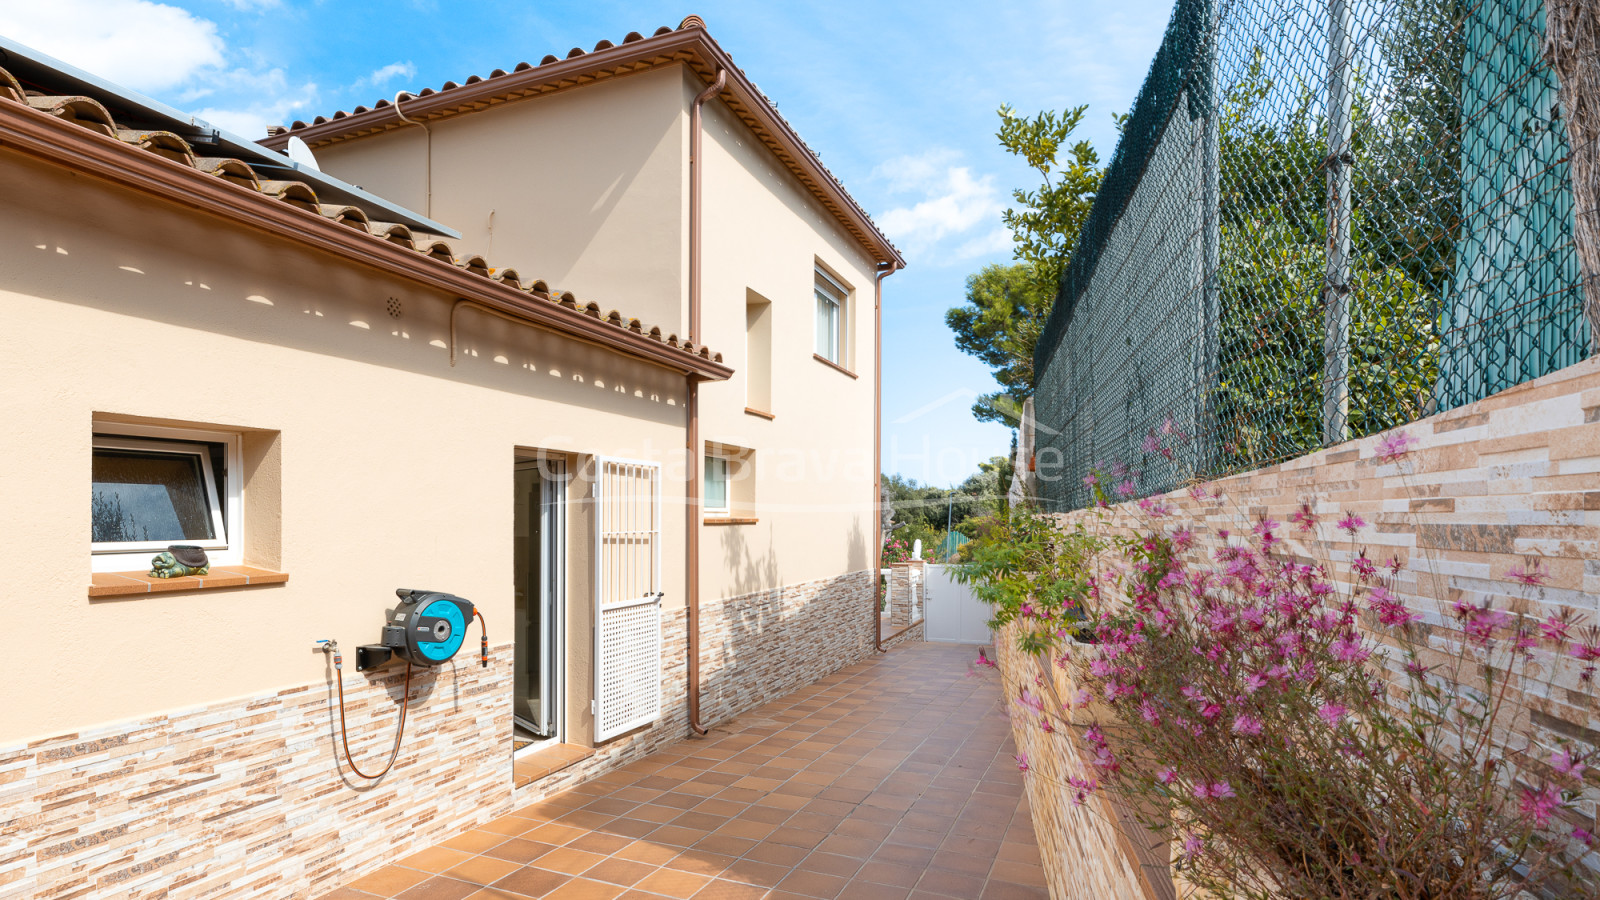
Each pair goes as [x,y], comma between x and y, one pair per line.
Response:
[831,297]
[716,486]
[153,486]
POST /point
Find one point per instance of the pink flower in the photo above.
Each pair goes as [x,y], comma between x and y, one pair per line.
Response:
[1083,699]
[1483,623]
[984,660]
[1394,445]
[1529,575]
[1217,790]
[1167,776]
[1029,700]
[1255,681]
[1557,628]
[1192,845]
[1082,788]
[1333,714]
[1352,523]
[1565,763]
[1537,805]
[1349,649]
[1022,762]
[1305,519]
[1126,488]
[1583,837]
[1245,723]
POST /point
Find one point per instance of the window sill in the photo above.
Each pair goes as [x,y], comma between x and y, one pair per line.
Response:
[751,411]
[728,520]
[833,365]
[118,584]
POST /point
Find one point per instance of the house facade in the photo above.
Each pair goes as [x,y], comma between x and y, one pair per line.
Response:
[535,360]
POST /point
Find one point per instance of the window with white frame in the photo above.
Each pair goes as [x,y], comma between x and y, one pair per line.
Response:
[716,485]
[152,487]
[831,296]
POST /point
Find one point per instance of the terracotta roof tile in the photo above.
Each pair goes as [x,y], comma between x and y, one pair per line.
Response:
[93,116]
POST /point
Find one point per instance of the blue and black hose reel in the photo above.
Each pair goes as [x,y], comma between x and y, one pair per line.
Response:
[427,628]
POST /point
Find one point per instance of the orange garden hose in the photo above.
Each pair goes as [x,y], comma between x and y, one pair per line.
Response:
[344,731]
[405,699]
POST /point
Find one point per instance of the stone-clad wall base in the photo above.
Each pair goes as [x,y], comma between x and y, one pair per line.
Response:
[250,798]
[914,634]
[1085,856]
[247,799]
[759,646]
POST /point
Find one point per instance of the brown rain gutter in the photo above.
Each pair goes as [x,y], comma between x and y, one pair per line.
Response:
[877,448]
[692,409]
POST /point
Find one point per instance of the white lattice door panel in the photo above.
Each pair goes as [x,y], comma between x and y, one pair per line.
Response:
[627,634]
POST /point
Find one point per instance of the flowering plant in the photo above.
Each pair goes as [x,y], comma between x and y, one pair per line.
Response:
[1034,573]
[1298,734]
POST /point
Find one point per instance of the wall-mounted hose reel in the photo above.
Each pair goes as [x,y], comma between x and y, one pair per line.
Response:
[426,629]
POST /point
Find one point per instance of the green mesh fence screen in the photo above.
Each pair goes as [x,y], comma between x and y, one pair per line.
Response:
[1325,218]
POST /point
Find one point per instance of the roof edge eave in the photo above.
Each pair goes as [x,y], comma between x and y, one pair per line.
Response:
[65,145]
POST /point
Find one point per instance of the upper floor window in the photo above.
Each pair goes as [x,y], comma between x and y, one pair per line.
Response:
[716,490]
[152,487]
[831,297]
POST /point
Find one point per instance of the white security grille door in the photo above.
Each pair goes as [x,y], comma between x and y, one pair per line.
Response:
[627,634]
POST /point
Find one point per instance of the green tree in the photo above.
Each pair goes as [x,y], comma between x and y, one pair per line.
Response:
[1005,312]
[1006,305]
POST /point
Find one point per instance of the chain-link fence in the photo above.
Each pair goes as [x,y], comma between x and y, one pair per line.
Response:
[1325,218]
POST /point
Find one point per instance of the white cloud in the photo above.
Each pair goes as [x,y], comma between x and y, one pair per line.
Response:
[387,74]
[166,51]
[146,46]
[955,202]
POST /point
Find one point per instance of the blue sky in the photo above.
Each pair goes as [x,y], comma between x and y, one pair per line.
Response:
[899,99]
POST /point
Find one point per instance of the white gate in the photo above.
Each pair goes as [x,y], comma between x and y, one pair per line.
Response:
[627,578]
[954,613]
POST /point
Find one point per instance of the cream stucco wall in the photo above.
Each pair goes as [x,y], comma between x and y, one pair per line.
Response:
[611,160]
[581,188]
[764,232]
[393,468]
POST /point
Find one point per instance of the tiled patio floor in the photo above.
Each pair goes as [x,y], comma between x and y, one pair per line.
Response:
[890,779]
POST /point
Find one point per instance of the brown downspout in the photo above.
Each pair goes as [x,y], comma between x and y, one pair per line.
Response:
[877,446]
[692,410]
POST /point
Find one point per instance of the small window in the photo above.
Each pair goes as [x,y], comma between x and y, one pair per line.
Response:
[830,317]
[716,487]
[151,488]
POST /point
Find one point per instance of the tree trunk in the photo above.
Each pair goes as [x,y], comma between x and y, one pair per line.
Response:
[1572,46]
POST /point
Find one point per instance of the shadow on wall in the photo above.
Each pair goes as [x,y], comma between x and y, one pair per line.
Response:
[764,638]
[79,244]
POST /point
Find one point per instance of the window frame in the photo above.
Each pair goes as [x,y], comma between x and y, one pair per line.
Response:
[726,508]
[224,496]
[826,287]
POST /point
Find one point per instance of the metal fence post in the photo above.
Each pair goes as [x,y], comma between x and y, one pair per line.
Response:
[1336,285]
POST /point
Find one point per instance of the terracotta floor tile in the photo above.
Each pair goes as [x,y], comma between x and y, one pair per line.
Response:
[777,854]
[1018,873]
[866,890]
[389,880]
[905,855]
[889,873]
[483,870]
[435,859]
[730,890]
[439,888]
[584,889]
[1001,890]
[832,864]
[673,883]
[348,893]
[598,842]
[531,882]
[700,862]
[569,861]
[812,884]
[951,884]
[619,871]
[753,872]
[519,850]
